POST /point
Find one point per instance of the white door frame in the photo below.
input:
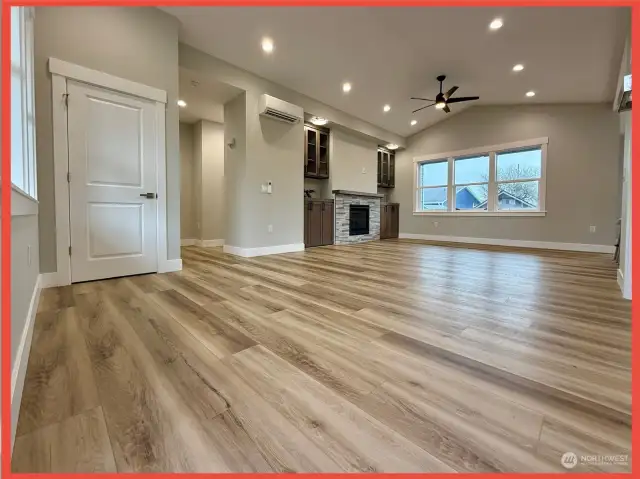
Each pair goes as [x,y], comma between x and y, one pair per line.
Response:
[61,71]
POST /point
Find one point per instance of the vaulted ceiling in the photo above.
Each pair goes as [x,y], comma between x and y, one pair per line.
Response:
[390,54]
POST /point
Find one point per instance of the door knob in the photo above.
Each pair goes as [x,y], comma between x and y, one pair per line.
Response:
[151,196]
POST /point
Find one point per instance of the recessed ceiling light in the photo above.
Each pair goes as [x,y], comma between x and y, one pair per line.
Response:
[414,122]
[318,120]
[346,87]
[530,93]
[386,108]
[496,24]
[392,146]
[518,68]
[440,105]
[182,103]
[267,45]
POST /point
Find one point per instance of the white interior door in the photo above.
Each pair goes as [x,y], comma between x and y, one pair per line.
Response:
[112,163]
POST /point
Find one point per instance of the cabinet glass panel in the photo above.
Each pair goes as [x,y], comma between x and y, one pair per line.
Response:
[392,170]
[312,154]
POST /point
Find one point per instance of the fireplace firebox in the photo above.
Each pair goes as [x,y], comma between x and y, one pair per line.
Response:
[358,220]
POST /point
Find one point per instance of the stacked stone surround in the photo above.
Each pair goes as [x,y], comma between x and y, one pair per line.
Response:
[342,203]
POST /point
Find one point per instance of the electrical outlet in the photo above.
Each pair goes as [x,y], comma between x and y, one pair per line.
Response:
[592,229]
[270,228]
[435,224]
[364,171]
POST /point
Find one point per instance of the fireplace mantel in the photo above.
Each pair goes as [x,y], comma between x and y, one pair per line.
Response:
[356,193]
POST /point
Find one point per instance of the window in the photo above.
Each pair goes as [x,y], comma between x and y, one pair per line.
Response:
[23,164]
[472,183]
[433,178]
[496,180]
[514,172]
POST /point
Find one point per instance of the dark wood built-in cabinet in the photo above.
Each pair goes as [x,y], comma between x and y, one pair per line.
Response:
[389,220]
[318,222]
[386,168]
[316,155]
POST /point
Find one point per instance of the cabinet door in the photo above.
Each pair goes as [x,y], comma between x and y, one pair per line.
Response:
[392,170]
[311,153]
[385,169]
[379,168]
[323,154]
[327,222]
[384,220]
[394,223]
[315,223]
[307,218]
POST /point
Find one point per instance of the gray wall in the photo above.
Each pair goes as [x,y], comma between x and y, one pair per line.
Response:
[274,153]
[583,177]
[350,154]
[24,274]
[235,129]
[212,180]
[139,44]
[196,175]
[187,213]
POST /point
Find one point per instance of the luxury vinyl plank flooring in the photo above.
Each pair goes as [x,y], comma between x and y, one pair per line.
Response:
[387,356]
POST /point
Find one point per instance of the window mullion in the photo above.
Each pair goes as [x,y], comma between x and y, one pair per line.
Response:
[492,189]
[451,196]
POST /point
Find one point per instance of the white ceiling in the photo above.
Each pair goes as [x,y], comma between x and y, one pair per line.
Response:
[205,98]
[390,54]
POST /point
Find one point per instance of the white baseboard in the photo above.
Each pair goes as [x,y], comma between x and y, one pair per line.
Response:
[620,280]
[19,370]
[590,248]
[51,280]
[202,243]
[264,250]
[210,243]
[170,265]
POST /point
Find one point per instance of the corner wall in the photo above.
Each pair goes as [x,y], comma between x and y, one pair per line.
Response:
[583,172]
[135,43]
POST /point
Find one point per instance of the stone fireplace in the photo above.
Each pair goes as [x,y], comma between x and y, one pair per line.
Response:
[357,216]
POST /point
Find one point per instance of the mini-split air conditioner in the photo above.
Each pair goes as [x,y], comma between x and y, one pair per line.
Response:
[280,110]
[624,96]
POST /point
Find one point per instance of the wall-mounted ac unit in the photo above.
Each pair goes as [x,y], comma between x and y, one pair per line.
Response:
[624,97]
[280,110]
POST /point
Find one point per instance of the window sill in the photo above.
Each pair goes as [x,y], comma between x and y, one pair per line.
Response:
[480,214]
[21,203]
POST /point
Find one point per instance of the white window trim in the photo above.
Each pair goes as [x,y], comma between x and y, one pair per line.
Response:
[491,150]
[25,202]
[60,72]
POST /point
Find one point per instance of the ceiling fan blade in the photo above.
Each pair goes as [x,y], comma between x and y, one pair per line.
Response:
[425,99]
[446,109]
[451,91]
[423,108]
[463,98]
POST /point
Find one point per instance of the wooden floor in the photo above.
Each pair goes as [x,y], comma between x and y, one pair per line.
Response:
[387,356]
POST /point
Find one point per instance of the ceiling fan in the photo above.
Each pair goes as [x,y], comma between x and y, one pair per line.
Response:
[443,100]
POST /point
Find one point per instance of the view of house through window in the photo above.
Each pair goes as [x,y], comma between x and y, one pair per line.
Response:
[499,180]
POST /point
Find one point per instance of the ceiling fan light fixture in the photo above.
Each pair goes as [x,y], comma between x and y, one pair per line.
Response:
[318,120]
[440,105]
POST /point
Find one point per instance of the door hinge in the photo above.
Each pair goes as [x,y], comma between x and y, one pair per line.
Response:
[69,250]
[66,99]
[68,177]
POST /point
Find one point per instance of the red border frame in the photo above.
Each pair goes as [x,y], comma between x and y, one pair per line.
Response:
[6,189]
